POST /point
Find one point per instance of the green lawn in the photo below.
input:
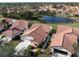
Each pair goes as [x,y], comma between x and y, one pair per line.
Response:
[8,49]
[54,25]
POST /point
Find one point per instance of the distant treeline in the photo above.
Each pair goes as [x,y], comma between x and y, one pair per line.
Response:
[36,4]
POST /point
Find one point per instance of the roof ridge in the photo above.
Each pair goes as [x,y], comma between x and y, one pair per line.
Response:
[63,39]
[32,30]
[35,28]
[63,34]
[66,30]
[68,40]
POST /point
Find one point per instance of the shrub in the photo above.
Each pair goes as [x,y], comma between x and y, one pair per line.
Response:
[7,50]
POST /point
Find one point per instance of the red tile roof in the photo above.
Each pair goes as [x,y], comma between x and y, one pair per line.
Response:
[20,24]
[29,31]
[37,33]
[65,38]
[61,28]
[16,29]
[69,40]
[66,41]
[45,27]
[57,40]
[76,31]
[11,33]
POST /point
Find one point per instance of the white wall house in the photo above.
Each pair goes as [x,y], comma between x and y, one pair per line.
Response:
[22,46]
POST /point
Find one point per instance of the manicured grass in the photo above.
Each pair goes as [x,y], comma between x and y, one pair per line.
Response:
[54,25]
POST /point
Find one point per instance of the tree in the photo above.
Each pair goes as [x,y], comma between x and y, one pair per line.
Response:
[28,52]
[76,48]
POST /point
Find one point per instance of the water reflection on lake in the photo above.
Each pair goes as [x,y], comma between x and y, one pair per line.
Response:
[56,19]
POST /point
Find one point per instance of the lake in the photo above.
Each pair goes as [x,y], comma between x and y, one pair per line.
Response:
[56,19]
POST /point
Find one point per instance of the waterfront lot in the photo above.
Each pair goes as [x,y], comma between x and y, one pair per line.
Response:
[9,47]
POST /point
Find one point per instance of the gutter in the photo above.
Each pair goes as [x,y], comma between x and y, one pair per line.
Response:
[46,42]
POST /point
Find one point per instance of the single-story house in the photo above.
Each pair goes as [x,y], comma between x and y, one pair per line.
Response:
[21,25]
[11,33]
[5,22]
[61,28]
[16,29]
[63,41]
[37,31]
[33,36]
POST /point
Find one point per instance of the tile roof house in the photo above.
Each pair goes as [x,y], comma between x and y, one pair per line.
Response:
[47,28]
[16,29]
[38,32]
[6,23]
[20,24]
[11,33]
[33,36]
[64,40]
